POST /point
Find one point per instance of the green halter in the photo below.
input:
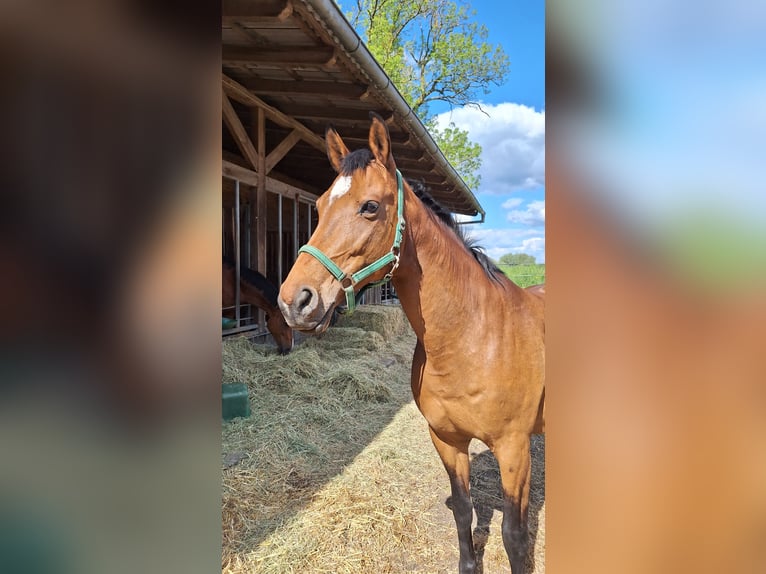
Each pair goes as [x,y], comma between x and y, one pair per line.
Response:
[392,257]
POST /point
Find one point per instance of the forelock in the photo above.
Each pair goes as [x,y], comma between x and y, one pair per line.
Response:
[357,159]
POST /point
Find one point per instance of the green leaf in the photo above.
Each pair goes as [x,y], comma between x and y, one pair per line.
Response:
[432,52]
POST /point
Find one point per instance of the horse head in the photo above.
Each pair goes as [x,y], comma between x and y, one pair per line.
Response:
[355,242]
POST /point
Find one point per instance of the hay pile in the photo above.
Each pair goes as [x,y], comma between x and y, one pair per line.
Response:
[312,411]
[334,471]
[387,320]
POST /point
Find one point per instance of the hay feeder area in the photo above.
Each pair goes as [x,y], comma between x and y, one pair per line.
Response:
[334,471]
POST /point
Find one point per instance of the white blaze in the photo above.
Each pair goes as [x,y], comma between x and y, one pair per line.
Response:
[341,187]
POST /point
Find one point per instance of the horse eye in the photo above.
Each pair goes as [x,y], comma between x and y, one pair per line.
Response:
[369,207]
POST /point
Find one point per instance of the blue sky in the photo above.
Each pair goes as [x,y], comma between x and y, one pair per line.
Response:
[512,135]
[512,190]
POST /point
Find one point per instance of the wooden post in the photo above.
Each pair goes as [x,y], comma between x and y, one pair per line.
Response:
[259,203]
[260,211]
[237,255]
[252,235]
[279,241]
[296,221]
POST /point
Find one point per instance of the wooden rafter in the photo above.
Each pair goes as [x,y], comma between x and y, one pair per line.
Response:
[332,113]
[329,89]
[409,164]
[240,93]
[359,134]
[236,55]
[244,143]
[281,150]
[264,11]
[249,35]
[406,152]
[285,61]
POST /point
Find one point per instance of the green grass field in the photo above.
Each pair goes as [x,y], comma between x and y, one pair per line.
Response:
[524,275]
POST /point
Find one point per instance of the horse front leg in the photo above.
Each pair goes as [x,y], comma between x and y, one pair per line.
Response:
[458,466]
[516,474]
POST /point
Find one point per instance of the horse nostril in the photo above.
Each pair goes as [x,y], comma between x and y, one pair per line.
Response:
[305,301]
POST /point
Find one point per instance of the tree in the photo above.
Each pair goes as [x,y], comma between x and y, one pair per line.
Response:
[517,259]
[462,153]
[433,53]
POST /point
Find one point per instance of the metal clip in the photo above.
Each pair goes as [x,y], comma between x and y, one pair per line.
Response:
[393,267]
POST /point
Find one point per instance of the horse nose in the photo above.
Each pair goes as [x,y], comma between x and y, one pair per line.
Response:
[301,305]
[306,301]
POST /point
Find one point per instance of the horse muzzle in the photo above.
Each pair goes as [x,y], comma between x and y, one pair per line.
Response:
[305,311]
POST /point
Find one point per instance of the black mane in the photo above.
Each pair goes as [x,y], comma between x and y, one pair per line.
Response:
[445,217]
[361,158]
[257,280]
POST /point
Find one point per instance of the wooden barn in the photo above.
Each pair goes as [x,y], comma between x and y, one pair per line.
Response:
[291,68]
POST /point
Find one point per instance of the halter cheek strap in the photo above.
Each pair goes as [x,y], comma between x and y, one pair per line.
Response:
[349,282]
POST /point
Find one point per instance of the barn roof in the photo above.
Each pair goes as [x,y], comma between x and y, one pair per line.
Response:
[305,66]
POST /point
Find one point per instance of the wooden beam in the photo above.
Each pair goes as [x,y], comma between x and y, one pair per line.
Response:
[250,35]
[333,113]
[425,165]
[260,11]
[240,93]
[238,131]
[429,178]
[237,55]
[330,89]
[243,174]
[250,177]
[407,152]
[307,190]
[281,150]
[360,135]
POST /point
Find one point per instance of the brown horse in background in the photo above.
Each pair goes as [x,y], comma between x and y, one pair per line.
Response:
[255,289]
[479,362]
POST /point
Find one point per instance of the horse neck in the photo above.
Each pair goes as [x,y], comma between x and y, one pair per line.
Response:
[437,279]
[251,294]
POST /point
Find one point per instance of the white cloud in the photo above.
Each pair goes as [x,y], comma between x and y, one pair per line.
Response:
[534,214]
[534,246]
[502,236]
[512,137]
[513,202]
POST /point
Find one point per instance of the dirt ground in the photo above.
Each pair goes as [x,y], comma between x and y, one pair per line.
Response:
[361,491]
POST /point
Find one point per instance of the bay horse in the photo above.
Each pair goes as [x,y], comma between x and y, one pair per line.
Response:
[255,289]
[478,376]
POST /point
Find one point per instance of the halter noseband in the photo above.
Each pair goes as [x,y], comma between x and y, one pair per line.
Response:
[392,257]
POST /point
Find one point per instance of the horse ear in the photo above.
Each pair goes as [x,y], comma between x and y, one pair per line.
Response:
[336,149]
[380,142]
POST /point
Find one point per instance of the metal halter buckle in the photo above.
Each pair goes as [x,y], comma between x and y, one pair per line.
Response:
[393,267]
